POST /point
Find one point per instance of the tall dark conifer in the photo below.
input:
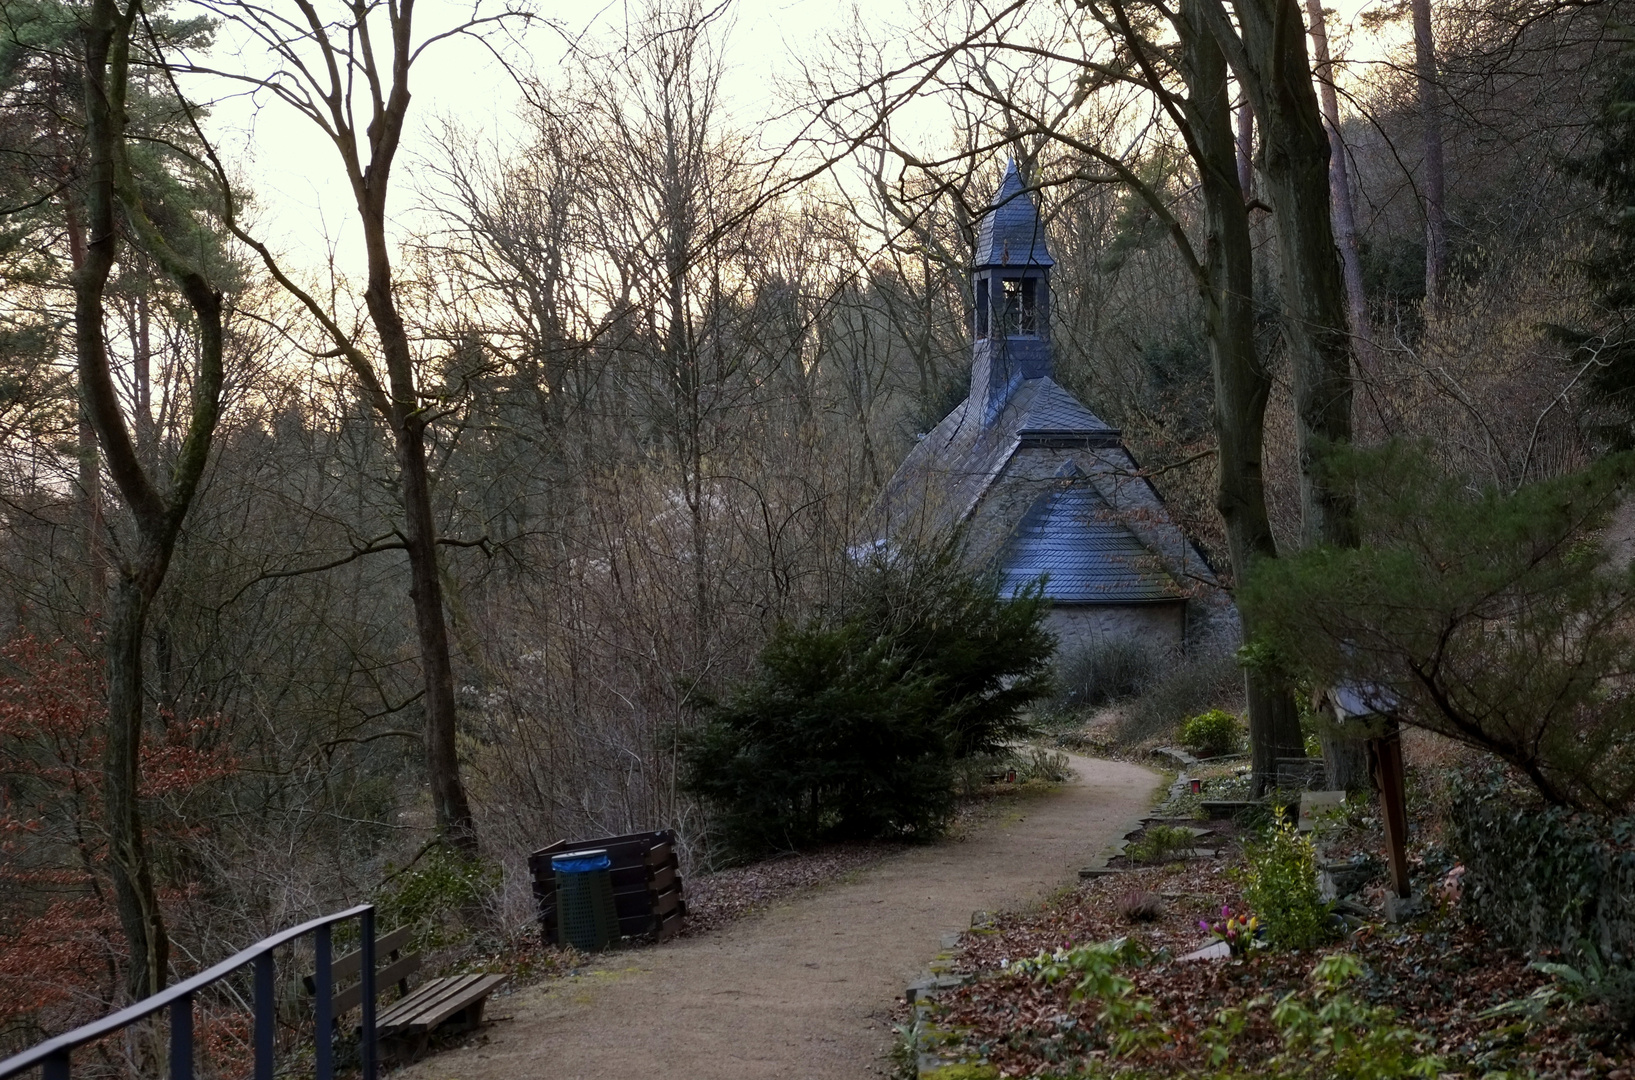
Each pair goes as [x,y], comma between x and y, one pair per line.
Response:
[1607,349]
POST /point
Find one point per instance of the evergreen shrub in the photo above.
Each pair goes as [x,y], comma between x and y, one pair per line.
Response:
[1542,877]
[1212,734]
[852,725]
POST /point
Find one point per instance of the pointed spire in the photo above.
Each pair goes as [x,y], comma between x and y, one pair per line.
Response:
[1011,233]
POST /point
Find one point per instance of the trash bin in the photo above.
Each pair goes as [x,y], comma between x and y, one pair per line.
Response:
[585,915]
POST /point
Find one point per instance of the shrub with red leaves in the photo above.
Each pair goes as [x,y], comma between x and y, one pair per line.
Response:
[60,943]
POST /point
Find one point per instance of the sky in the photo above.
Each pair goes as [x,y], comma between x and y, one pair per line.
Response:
[304,208]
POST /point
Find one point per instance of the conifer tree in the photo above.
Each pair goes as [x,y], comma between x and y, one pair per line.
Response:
[1607,350]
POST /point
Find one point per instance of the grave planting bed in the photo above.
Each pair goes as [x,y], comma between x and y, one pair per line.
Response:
[1438,973]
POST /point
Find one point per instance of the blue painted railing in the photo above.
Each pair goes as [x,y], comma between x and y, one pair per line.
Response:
[52,1056]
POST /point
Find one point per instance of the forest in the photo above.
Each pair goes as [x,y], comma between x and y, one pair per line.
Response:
[434,547]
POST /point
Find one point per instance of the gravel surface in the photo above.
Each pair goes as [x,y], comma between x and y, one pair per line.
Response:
[714,900]
[804,989]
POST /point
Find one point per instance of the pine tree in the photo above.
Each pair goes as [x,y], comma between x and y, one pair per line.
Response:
[1608,348]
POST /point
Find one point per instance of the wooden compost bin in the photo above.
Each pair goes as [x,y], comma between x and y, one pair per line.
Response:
[646,883]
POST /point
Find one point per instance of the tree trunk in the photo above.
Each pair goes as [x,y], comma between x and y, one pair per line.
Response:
[406,419]
[1242,383]
[90,460]
[330,106]
[1345,217]
[1294,154]
[1274,730]
[1246,150]
[135,898]
[1342,757]
[452,808]
[1345,762]
[1431,173]
[112,205]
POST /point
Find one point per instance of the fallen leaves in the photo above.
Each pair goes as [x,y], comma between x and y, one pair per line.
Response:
[1439,976]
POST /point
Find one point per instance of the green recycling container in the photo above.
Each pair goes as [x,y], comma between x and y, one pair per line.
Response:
[585,915]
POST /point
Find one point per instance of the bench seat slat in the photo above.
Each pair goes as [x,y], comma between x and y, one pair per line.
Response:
[428,994]
[436,1001]
[401,1017]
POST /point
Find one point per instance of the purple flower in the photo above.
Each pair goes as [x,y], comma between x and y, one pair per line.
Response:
[1204,926]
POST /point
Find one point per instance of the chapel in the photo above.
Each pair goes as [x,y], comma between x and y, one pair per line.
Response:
[1034,482]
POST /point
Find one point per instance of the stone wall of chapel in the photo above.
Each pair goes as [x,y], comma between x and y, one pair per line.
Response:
[1160,626]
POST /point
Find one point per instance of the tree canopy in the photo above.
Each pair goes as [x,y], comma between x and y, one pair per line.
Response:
[1497,618]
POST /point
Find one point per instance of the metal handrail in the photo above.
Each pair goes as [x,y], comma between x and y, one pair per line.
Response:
[52,1056]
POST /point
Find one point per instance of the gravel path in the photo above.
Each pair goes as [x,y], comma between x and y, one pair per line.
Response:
[804,989]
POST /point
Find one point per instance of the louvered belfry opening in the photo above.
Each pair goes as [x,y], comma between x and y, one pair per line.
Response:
[1010,290]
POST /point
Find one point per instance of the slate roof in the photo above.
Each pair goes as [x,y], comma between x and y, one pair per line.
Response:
[1053,412]
[1364,699]
[1089,556]
[943,478]
[1010,233]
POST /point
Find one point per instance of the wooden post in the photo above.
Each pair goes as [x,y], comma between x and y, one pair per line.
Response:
[1388,775]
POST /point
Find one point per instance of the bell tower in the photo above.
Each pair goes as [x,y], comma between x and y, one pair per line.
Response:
[1010,283]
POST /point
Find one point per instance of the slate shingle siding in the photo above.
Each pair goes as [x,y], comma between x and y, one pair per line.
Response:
[1010,233]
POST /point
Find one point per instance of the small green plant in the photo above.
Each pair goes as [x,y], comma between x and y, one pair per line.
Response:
[1323,1033]
[431,894]
[1345,1037]
[1160,843]
[1126,1019]
[1280,882]
[1212,734]
[1330,1034]
[905,1051]
[1593,979]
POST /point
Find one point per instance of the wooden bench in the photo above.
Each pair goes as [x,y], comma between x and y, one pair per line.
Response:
[647,891]
[404,1027]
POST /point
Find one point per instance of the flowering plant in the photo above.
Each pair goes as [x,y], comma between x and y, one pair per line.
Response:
[1240,932]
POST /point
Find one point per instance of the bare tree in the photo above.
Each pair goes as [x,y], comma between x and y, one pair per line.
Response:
[1345,215]
[1242,381]
[1266,47]
[333,73]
